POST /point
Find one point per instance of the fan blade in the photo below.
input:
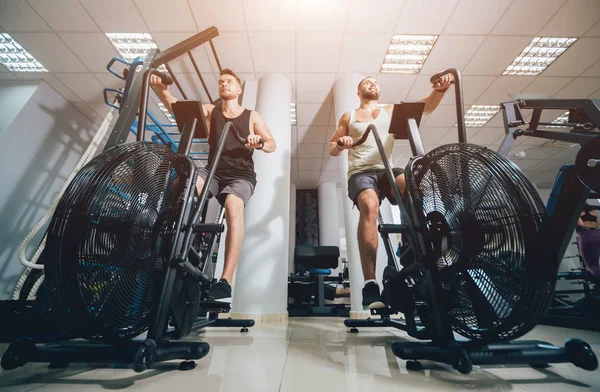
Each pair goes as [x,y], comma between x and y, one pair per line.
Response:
[479,293]
[126,285]
[441,188]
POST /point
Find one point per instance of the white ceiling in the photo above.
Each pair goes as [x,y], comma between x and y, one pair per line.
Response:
[312,42]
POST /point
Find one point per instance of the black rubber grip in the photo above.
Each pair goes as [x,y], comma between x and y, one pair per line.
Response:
[166,79]
[361,140]
[209,228]
[242,140]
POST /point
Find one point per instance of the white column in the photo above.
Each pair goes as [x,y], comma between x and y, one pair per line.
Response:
[345,99]
[292,228]
[329,227]
[260,289]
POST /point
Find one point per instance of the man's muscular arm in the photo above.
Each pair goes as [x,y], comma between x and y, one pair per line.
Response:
[260,130]
[341,133]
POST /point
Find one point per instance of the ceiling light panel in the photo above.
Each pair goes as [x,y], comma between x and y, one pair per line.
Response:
[560,121]
[167,113]
[538,55]
[479,115]
[407,53]
[14,57]
[132,45]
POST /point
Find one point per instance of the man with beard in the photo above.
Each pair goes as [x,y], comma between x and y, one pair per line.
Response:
[367,182]
[235,179]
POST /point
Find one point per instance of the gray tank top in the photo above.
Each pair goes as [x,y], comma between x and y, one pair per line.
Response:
[366,156]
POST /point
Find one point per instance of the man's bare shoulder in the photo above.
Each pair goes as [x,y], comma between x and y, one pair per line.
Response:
[255,116]
[345,119]
[208,107]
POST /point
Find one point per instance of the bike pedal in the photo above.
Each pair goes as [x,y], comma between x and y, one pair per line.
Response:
[215,306]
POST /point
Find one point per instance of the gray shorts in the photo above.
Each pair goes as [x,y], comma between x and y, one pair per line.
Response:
[220,187]
[372,179]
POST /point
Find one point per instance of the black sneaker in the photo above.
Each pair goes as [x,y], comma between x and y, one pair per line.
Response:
[220,292]
[371,297]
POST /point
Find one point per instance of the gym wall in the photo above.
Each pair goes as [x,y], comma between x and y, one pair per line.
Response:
[13,96]
[38,151]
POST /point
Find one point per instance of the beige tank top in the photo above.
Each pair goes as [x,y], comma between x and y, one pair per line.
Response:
[366,156]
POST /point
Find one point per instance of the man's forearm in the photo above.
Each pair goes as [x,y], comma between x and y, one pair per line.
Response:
[167,99]
[432,101]
[269,146]
[334,150]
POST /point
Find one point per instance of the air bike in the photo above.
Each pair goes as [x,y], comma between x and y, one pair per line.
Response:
[127,254]
[478,256]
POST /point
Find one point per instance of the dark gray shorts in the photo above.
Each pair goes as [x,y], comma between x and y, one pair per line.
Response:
[372,179]
[221,187]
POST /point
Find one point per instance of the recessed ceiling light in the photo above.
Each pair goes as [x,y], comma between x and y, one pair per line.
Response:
[538,55]
[407,53]
[15,58]
[293,113]
[560,121]
[132,45]
[479,115]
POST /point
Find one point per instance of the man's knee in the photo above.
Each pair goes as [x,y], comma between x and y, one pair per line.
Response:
[368,203]
[401,184]
[401,181]
[234,207]
[400,178]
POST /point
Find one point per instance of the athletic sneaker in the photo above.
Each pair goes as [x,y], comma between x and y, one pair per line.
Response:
[372,297]
[220,291]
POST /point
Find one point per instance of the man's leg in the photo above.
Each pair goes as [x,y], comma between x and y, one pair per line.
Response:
[368,204]
[233,196]
[401,183]
[363,191]
[384,184]
[234,216]
[201,180]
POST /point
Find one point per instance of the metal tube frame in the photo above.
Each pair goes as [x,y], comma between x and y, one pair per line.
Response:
[168,67]
[129,108]
[200,76]
[513,118]
[460,118]
[143,99]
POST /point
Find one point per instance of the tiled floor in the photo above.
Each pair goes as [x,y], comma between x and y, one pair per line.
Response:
[310,354]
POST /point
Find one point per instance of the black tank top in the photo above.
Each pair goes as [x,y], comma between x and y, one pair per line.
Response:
[236,160]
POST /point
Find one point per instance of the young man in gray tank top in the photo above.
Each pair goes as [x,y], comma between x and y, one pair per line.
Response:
[367,183]
[234,180]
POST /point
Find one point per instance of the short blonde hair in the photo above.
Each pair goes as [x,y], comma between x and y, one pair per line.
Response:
[362,81]
[227,71]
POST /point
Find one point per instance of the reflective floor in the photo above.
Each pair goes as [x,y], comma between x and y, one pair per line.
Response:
[310,354]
